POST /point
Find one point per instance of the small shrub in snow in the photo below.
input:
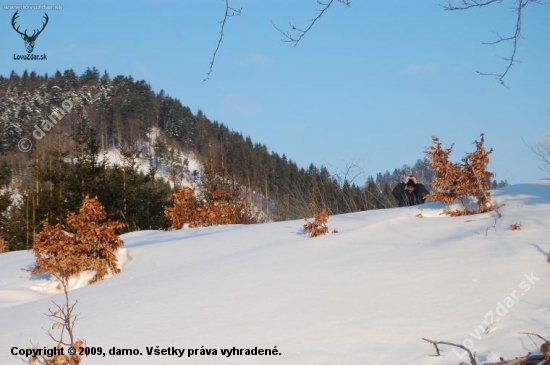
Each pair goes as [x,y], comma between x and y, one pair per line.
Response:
[459,181]
[221,205]
[319,225]
[87,242]
[184,209]
[3,245]
[515,226]
[63,318]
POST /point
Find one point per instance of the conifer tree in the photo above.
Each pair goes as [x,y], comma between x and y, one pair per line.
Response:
[87,173]
[5,203]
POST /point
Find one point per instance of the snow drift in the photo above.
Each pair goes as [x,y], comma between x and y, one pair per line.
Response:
[366,295]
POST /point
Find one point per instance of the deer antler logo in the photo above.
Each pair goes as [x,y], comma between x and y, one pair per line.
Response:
[29,40]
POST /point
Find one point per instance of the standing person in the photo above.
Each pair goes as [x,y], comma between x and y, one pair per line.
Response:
[410,192]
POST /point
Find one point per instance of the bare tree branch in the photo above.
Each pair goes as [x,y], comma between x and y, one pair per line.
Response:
[296,34]
[352,172]
[528,359]
[542,150]
[514,39]
[435,343]
[229,12]
[468,4]
[534,334]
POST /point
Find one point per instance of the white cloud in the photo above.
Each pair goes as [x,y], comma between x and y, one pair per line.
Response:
[235,103]
[426,69]
[258,59]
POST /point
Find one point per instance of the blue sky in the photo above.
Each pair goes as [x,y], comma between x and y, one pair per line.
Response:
[368,85]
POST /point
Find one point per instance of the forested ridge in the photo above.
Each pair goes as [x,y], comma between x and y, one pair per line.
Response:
[72,120]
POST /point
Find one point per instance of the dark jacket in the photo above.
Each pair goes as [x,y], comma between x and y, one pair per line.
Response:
[406,199]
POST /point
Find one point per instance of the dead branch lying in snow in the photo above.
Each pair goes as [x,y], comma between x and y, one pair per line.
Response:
[529,359]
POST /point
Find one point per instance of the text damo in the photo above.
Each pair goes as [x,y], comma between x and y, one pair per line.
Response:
[56,116]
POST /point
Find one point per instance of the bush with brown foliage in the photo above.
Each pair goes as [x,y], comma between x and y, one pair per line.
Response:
[319,225]
[87,242]
[183,210]
[221,205]
[460,181]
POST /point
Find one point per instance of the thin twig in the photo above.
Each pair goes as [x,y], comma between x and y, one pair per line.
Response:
[542,150]
[296,38]
[435,343]
[229,12]
[534,334]
[514,39]
[468,4]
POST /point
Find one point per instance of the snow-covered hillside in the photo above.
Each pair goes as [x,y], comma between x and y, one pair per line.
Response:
[175,165]
[366,295]
[188,165]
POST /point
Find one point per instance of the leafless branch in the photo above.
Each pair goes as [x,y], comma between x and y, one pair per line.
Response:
[514,39]
[528,359]
[468,4]
[351,173]
[542,150]
[229,12]
[296,34]
[534,334]
[435,343]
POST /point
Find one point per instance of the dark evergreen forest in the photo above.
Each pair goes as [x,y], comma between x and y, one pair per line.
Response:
[71,120]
